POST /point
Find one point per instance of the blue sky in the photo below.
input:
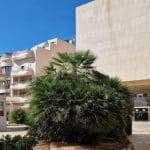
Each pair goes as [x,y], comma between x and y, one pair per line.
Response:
[25,23]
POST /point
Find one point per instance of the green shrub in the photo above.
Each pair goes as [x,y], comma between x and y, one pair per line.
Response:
[78,103]
[18,116]
[17,143]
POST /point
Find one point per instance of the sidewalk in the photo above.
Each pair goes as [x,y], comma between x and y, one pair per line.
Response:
[141,135]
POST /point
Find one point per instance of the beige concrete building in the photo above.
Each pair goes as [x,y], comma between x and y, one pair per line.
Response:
[18,69]
[118,33]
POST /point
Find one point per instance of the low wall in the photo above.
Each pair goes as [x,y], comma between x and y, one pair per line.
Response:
[104,146]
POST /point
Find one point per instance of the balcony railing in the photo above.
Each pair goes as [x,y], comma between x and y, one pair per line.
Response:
[6,63]
[4,75]
[20,85]
[20,95]
[4,89]
[5,58]
[22,55]
[22,72]
[17,99]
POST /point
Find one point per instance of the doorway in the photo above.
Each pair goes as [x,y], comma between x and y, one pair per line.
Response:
[141,114]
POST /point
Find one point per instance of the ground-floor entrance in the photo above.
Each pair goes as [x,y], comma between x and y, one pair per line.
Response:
[141,114]
[140,90]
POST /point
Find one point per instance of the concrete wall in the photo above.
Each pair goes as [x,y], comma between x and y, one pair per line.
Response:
[65,146]
[43,57]
[118,33]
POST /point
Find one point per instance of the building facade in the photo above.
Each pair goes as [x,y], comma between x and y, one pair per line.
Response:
[2,113]
[118,33]
[19,69]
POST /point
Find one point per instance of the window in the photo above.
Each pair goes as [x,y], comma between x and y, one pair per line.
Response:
[6,70]
[140,99]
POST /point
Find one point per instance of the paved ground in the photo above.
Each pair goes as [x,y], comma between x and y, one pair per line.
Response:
[141,135]
[141,141]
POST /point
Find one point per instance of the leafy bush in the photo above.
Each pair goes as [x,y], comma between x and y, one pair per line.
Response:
[78,103]
[17,143]
[18,116]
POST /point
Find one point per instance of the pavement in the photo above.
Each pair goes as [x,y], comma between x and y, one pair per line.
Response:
[141,135]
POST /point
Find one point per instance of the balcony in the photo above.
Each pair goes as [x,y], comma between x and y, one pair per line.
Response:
[22,72]
[4,76]
[6,57]
[4,89]
[8,63]
[20,85]
[6,60]
[17,99]
[22,55]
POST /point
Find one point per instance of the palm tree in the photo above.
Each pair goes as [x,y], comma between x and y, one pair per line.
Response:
[77,103]
[79,63]
[76,62]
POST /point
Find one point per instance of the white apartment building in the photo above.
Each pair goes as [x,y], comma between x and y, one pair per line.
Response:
[19,69]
